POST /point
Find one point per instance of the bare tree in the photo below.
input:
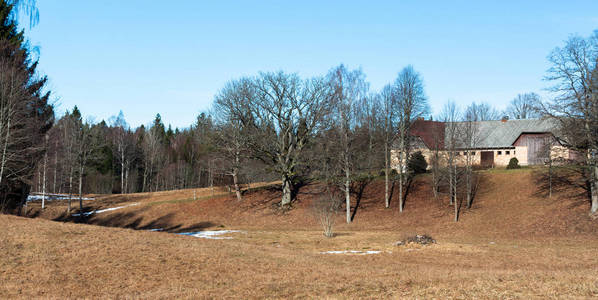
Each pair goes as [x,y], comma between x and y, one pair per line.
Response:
[574,104]
[451,116]
[285,112]
[349,89]
[524,106]
[85,148]
[122,139]
[389,107]
[233,116]
[483,112]
[68,127]
[412,104]
[470,139]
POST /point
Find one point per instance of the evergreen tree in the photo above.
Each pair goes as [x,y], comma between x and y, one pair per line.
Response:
[25,114]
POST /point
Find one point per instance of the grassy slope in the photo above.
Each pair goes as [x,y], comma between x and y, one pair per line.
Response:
[512,243]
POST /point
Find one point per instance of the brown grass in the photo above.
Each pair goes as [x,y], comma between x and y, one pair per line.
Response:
[511,244]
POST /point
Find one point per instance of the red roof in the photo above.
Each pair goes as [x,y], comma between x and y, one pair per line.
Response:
[430,132]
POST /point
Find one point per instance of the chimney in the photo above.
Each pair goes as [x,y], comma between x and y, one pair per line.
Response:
[504,119]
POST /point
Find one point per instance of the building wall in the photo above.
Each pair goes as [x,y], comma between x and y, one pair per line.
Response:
[500,160]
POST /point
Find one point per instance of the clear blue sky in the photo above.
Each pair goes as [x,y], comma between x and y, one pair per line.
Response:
[170,57]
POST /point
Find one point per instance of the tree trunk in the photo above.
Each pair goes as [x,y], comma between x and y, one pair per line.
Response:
[451,182]
[44,181]
[70,190]
[81,188]
[4,159]
[469,184]
[594,189]
[386,179]
[401,167]
[236,184]
[286,191]
[127,179]
[55,168]
[455,202]
[122,170]
[348,196]
[550,178]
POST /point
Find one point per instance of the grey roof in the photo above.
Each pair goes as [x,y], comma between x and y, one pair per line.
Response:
[499,134]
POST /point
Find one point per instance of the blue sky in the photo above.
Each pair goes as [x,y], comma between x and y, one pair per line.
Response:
[171,57]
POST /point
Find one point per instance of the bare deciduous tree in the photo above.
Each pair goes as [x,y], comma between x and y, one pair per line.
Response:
[123,140]
[233,116]
[285,113]
[411,104]
[349,89]
[451,116]
[574,104]
[524,106]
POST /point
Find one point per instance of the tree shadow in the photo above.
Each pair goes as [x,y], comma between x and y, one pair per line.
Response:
[133,220]
[358,188]
[407,187]
[479,180]
[563,179]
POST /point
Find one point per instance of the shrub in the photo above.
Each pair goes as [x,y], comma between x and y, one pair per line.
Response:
[325,208]
[513,163]
[393,172]
[417,163]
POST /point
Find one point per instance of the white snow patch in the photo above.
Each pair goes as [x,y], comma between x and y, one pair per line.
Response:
[212,234]
[52,197]
[104,210]
[356,252]
[156,229]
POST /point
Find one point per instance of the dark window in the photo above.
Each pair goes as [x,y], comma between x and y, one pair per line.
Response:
[499,153]
[507,152]
[472,152]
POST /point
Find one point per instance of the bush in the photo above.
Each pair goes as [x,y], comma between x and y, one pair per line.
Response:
[513,163]
[393,172]
[417,163]
[325,208]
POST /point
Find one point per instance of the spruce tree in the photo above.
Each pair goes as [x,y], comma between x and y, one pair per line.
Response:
[25,114]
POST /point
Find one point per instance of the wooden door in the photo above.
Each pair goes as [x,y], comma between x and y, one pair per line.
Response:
[487,159]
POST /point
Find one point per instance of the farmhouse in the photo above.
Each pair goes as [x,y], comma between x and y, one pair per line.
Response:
[492,143]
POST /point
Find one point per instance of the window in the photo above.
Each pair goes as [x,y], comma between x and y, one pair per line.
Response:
[499,153]
[472,152]
[513,152]
[507,152]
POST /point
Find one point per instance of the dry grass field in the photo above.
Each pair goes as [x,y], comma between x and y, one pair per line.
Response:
[513,243]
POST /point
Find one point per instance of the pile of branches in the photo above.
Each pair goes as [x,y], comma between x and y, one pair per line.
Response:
[417,239]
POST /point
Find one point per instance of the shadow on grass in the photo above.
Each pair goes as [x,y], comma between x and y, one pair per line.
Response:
[563,179]
[133,220]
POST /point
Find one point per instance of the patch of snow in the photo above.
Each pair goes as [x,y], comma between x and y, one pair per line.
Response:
[212,234]
[156,229]
[356,252]
[104,210]
[52,197]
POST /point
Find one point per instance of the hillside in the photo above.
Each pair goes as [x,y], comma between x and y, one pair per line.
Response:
[509,204]
[513,243]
